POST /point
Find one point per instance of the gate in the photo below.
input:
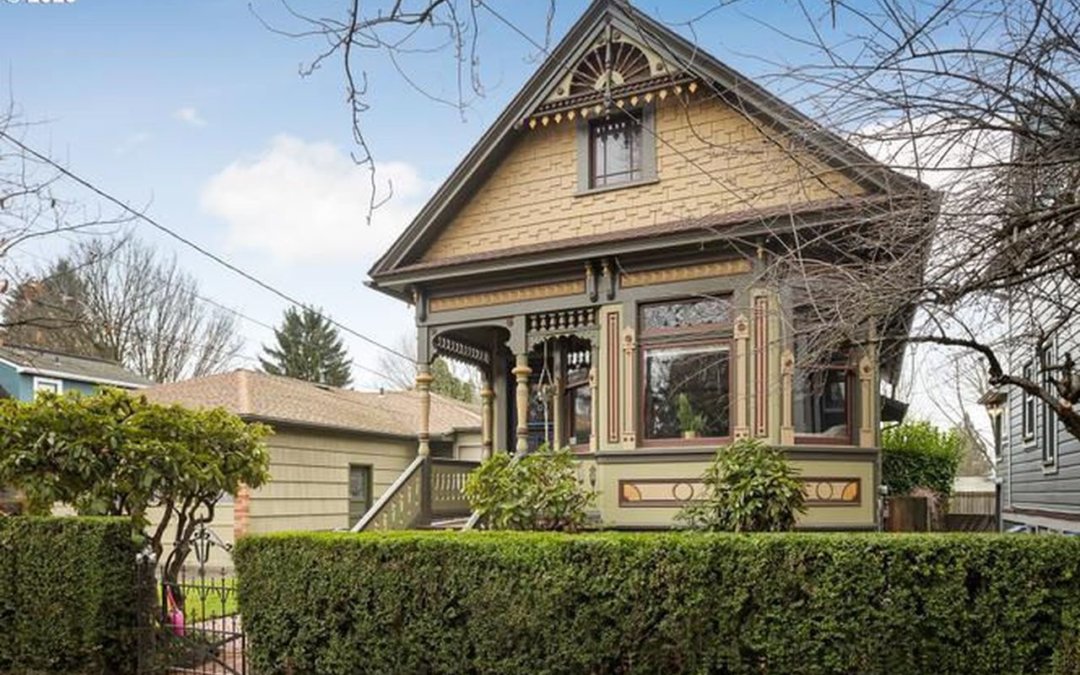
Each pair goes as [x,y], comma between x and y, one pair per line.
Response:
[192,625]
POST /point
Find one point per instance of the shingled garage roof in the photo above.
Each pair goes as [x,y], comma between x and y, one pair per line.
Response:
[498,140]
[258,396]
[33,361]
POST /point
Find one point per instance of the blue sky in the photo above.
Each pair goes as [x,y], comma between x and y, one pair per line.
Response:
[197,110]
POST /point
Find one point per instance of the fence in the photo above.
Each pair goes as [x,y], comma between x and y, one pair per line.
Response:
[191,625]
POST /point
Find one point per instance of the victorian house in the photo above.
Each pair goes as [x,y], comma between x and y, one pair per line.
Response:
[601,256]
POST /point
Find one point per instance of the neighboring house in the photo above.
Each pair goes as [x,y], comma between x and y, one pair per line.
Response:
[570,258]
[333,451]
[27,370]
[1040,460]
[24,371]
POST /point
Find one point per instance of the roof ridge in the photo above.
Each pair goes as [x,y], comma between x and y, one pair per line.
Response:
[243,392]
[57,352]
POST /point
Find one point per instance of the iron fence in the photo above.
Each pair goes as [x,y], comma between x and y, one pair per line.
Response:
[190,625]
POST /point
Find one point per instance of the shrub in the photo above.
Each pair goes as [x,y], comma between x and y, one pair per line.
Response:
[749,487]
[539,491]
[919,455]
[116,454]
[502,602]
[67,595]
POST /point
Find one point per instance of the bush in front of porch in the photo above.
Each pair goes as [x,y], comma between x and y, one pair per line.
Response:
[539,491]
[749,487]
[502,602]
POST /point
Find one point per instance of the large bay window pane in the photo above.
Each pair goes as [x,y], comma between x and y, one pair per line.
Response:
[701,375]
[580,414]
[822,405]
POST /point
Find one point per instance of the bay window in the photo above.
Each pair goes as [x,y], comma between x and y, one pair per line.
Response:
[823,386]
[686,369]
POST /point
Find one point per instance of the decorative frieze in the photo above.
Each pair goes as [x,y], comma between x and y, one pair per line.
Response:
[611,367]
[629,417]
[659,492]
[668,275]
[507,296]
[832,491]
[461,351]
[676,492]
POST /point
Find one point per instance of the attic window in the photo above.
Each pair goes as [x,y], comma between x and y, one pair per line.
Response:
[615,151]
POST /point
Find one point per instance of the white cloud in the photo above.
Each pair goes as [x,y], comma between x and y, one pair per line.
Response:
[131,142]
[307,201]
[189,115]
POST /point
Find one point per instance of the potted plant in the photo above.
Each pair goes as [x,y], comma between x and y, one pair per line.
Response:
[692,423]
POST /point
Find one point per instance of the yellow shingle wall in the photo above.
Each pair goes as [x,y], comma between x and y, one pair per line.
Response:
[532,196]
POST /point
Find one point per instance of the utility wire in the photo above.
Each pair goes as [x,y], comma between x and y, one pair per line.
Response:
[195,246]
[207,300]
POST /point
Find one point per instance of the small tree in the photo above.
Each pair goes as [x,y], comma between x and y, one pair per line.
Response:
[539,491]
[749,487]
[116,454]
[308,348]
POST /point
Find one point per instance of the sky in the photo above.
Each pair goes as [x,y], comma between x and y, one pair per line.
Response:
[196,112]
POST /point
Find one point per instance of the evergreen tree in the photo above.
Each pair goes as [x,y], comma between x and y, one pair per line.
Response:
[50,312]
[308,348]
[448,384]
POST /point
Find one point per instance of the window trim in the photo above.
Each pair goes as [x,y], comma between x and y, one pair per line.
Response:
[649,172]
[693,341]
[47,381]
[1049,443]
[1027,416]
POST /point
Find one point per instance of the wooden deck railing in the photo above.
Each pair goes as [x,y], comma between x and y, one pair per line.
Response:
[400,507]
[429,489]
[447,481]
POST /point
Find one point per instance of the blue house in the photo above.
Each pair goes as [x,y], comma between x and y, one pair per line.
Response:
[24,371]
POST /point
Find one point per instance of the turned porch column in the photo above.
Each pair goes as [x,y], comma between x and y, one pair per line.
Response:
[423,385]
[558,422]
[522,371]
[487,398]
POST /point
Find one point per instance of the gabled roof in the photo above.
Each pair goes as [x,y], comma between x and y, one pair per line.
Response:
[681,53]
[46,363]
[259,396]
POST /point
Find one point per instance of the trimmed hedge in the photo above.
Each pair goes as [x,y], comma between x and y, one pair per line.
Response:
[500,602]
[67,595]
[919,455]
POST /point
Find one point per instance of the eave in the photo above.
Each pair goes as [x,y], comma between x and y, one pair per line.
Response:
[743,225]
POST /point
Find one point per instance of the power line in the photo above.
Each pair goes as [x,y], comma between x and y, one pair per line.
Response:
[201,298]
[195,246]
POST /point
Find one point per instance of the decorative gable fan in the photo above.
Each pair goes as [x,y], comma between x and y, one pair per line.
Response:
[627,64]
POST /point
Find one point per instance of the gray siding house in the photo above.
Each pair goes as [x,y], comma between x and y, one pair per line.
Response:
[1040,463]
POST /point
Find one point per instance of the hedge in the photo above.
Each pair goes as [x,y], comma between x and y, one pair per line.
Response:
[919,455]
[500,602]
[67,595]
